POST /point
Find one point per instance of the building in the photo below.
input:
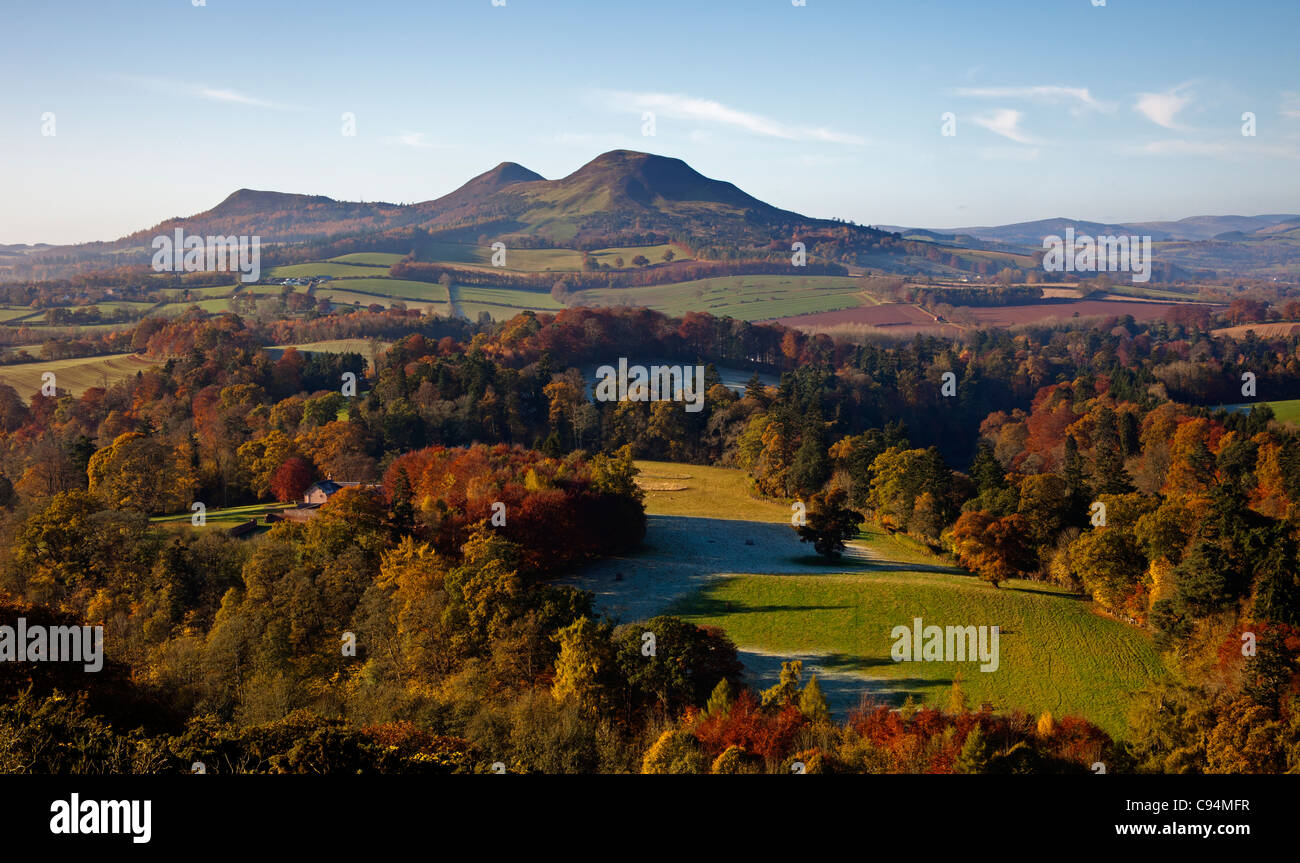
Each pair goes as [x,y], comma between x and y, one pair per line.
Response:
[319,492]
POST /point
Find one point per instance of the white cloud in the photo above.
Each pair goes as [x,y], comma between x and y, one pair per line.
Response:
[203,91]
[1004,122]
[1163,108]
[221,95]
[1236,148]
[410,139]
[681,107]
[1081,96]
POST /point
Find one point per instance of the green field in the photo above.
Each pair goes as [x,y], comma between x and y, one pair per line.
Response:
[1055,653]
[224,518]
[750,298]
[74,375]
[1287,411]
[326,268]
[524,260]
[654,253]
[373,259]
[705,492]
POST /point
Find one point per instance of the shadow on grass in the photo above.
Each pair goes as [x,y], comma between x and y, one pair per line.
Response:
[842,679]
[700,605]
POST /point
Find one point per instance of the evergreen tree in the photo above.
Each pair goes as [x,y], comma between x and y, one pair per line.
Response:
[1109,475]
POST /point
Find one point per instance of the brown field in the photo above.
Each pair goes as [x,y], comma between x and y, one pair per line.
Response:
[904,319]
[1037,313]
[1267,331]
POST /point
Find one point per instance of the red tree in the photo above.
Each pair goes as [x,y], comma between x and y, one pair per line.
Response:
[291,479]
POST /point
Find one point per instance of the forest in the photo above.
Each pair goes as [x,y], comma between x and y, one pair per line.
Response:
[1094,458]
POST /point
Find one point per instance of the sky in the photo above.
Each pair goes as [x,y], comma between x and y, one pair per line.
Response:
[1131,111]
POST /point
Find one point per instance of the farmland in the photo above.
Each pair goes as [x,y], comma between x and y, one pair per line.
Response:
[907,319]
[751,298]
[74,375]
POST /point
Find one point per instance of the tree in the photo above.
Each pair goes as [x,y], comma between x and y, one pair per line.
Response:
[812,703]
[976,753]
[828,522]
[291,479]
[640,261]
[141,473]
[1109,474]
[668,256]
[676,751]
[996,548]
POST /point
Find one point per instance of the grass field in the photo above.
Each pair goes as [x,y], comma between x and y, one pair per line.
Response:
[1287,411]
[334,346]
[750,298]
[326,268]
[372,259]
[224,518]
[1055,653]
[707,492]
[74,375]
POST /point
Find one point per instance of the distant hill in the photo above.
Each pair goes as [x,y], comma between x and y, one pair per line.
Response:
[620,197]
[628,198]
[1031,234]
[616,193]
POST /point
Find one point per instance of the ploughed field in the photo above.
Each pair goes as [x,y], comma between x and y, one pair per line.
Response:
[717,556]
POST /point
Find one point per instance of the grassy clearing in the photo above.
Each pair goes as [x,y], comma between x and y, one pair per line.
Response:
[1287,411]
[751,298]
[74,375]
[706,492]
[224,518]
[334,346]
[1055,653]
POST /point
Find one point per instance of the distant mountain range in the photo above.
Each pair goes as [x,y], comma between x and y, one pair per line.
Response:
[630,198]
[1031,234]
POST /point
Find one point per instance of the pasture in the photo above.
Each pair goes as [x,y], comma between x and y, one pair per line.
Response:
[74,375]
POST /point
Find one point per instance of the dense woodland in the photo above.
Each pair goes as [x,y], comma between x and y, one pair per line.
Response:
[227,650]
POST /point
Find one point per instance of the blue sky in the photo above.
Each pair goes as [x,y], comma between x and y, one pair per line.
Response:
[1131,111]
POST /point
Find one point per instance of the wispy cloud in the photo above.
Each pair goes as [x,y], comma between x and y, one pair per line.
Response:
[204,91]
[1080,97]
[1004,122]
[410,139]
[1235,148]
[1163,108]
[677,106]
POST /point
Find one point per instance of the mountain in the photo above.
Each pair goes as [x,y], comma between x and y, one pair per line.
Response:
[617,192]
[620,197]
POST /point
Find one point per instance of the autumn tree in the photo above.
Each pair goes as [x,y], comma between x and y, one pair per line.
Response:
[828,522]
[291,479]
[141,473]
